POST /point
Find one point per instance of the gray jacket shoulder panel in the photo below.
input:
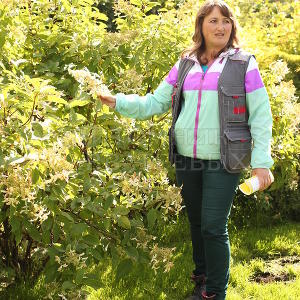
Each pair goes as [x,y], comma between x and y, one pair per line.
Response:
[241,55]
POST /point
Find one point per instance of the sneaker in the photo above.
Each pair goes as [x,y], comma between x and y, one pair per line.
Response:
[205,296]
[199,281]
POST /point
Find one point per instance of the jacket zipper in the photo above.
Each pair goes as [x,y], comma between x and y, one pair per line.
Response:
[198,110]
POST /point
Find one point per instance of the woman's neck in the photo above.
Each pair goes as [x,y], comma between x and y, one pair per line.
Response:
[210,54]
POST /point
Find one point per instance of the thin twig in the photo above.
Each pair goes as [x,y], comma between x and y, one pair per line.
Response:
[113,150]
[145,131]
[9,115]
[105,233]
[31,115]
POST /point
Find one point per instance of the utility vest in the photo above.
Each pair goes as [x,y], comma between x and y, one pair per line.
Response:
[235,136]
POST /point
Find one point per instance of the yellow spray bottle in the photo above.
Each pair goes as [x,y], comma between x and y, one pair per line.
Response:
[251,184]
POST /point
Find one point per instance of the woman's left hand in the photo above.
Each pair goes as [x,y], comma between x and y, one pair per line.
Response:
[263,176]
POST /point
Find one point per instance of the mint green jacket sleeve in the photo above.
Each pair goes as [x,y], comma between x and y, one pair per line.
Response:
[260,117]
[143,107]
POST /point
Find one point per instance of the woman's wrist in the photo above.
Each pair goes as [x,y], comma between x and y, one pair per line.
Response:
[110,101]
[114,104]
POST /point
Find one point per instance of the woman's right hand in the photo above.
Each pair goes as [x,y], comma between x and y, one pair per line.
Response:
[108,100]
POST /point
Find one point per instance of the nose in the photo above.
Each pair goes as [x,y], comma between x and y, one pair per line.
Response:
[220,26]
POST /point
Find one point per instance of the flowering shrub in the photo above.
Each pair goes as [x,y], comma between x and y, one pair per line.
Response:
[79,182]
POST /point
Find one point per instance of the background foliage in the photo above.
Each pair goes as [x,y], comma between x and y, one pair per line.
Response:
[78,181]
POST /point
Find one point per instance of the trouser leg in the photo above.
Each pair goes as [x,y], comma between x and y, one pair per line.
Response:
[217,195]
[189,175]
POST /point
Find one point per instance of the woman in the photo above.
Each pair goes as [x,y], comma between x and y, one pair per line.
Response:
[207,187]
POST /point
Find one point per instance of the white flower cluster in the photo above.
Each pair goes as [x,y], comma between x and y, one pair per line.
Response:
[162,257]
[279,69]
[71,257]
[90,82]
[16,185]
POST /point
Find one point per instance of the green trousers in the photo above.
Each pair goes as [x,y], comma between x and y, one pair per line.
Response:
[208,190]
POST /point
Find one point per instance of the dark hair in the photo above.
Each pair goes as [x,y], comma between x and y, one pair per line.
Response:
[199,43]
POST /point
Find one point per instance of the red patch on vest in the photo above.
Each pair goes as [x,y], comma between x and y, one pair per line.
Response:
[235,97]
[239,110]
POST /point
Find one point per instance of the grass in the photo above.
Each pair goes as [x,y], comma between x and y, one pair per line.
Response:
[265,264]
[256,255]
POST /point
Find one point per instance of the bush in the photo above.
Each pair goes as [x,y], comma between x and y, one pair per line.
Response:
[79,182]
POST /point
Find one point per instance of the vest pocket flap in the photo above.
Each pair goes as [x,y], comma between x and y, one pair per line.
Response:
[242,136]
[233,90]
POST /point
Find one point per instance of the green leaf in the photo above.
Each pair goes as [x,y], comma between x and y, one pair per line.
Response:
[98,105]
[47,224]
[36,82]
[78,102]
[15,223]
[96,254]
[2,161]
[67,215]
[124,268]
[59,247]
[50,272]
[151,217]
[96,208]
[46,237]
[93,281]
[89,2]
[56,99]
[3,34]
[78,229]
[107,223]
[38,129]
[124,222]
[101,16]
[108,202]
[121,210]
[132,252]
[68,285]
[85,169]
[35,175]
[86,184]
[96,138]
[138,3]
[91,240]
[33,232]
[57,232]
[79,275]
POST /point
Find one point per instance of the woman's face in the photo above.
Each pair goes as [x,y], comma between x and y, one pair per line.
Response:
[216,29]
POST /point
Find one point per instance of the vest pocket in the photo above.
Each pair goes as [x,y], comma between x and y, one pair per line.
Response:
[238,145]
[234,103]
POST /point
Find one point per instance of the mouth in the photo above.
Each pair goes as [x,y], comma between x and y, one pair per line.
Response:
[219,34]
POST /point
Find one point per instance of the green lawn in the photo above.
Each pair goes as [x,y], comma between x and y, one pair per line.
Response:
[265,264]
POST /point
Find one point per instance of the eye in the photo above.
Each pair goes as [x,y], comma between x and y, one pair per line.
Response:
[212,21]
[227,21]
